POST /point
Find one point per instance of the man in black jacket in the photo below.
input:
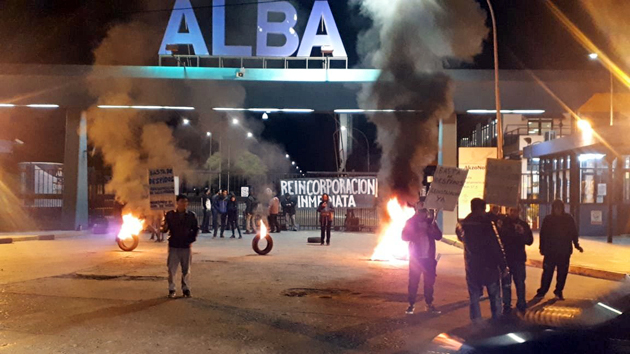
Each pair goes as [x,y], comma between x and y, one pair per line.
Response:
[288,207]
[558,236]
[484,258]
[206,204]
[515,235]
[220,206]
[182,226]
[421,233]
[250,206]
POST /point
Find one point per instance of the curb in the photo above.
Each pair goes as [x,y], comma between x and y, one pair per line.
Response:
[573,269]
[42,237]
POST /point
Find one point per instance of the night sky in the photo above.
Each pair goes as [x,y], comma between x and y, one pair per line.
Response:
[66,32]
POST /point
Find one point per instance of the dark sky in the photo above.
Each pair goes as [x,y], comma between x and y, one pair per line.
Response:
[66,32]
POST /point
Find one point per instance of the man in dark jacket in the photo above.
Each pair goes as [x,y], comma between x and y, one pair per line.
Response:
[558,236]
[515,235]
[250,206]
[206,205]
[233,216]
[215,213]
[288,207]
[220,206]
[421,233]
[326,216]
[182,227]
[484,258]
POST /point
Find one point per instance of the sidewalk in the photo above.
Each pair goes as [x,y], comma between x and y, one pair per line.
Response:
[10,237]
[599,260]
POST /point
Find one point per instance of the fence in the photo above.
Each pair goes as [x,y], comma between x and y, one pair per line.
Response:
[41,191]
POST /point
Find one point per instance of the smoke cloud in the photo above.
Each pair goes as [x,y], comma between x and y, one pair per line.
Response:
[611,18]
[414,37]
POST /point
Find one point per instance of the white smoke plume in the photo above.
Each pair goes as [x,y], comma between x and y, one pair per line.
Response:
[611,18]
[414,37]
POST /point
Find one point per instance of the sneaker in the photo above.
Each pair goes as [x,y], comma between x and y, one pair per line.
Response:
[187,293]
[432,309]
[221,236]
[214,236]
[233,236]
[322,243]
[240,237]
[409,310]
[171,294]
[327,243]
[507,311]
[559,297]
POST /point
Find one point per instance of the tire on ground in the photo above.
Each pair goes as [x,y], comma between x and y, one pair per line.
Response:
[263,251]
[128,245]
[314,240]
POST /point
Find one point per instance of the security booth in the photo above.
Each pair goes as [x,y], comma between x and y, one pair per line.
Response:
[590,172]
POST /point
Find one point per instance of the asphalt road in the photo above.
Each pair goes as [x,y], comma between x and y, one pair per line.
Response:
[83,295]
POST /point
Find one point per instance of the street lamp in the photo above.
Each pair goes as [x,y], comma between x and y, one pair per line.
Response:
[497,93]
[249,135]
[287,156]
[234,121]
[265,116]
[595,56]
[209,135]
[186,121]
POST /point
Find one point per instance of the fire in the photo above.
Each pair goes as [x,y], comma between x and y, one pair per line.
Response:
[131,226]
[391,246]
[263,229]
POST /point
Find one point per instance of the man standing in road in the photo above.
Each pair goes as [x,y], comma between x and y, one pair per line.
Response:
[220,206]
[421,233]
[326,214]
[288,206]
[215,213]
[515,235]
[206,204]
[558,236]
[274,210]
[250,206]
[484,258]
[182,227]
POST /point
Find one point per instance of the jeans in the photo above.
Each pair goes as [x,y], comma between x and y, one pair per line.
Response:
[427,268]
[274,224]
[551,263]
[233,225]
[290,219]
[249,223]
[177,257]
[476,280]
[205,224]
[223,218]
[516,276]
[325,225]
[215,219]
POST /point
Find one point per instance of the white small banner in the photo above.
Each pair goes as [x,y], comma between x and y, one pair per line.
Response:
[162,189]
[446,187]
[503,182]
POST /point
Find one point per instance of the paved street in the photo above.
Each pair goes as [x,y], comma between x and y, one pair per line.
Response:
[83,295]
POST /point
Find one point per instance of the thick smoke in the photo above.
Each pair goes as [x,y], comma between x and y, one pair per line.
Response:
[611,18]
[414,37]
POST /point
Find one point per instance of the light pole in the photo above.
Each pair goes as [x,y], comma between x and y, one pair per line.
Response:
[209,135]
[497,93]
[367,144]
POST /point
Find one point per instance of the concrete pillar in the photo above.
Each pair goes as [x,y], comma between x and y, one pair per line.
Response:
[343,141]
[75,174]
[447,156]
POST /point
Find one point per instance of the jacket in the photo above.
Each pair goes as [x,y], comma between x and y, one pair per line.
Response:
[206,202]
[558,235]
[513,242]
[482,250]
[220,204]
[288,205]
[213,202]
[274,206]
[421,235]
[182,228]
[327,211]
[232,210]
[250,204]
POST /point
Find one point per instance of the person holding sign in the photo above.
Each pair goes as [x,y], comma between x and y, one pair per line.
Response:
[421,232]
[182,227]
[326,213]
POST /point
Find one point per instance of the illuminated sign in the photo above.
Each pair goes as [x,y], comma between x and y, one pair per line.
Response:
[346,192]
[183,13]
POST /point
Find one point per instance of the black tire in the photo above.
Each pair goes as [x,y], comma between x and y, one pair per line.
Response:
[264,251]
[314,240]
[126,245]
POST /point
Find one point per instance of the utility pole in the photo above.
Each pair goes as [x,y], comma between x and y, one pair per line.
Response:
[497,93]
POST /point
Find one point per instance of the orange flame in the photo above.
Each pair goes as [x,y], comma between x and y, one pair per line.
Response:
[391,247]
[263,229]
[131,226]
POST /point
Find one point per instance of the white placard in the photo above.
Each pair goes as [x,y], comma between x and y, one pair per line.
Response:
[446,187]
[474,160]
[244,191]
[503,182]
[162,189]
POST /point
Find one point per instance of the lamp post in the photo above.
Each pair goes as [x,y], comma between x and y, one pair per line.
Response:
[367,144]
[497,93]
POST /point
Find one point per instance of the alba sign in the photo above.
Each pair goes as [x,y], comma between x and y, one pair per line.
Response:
[183,11]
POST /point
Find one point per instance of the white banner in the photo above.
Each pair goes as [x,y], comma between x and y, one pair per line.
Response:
[474,160]
[503,182]
[446,187]
[162,189]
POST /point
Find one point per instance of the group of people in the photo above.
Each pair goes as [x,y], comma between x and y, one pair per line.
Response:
[494,254]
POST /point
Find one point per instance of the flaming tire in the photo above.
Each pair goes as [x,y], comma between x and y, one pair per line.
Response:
[267,249]
[129,244]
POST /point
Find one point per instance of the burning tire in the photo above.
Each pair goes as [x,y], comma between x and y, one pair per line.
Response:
[267,249]
[128,244]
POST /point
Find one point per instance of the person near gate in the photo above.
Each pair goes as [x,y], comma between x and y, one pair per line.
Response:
[220,206]
[206,205]
[233,216]
[421,232]
[274,210]
[558,236]
[215,213]
[288,207]
[483,257]
[250,206]
[182,227]
[326,213]
[515,235]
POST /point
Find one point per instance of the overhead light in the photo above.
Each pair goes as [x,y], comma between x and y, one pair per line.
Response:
[186,121]
[516,338]
[106,106]
[7,105]
[297,110]
[18,141]
[249,135]
[587,157]
[287,156]
[208,134]
[223,109]
[234,121]
[506,111]
[593,56]
[356,110]
[42,105]
[349,110]
[267,110]
[612,309]
[265,116]
[180,108]
[293,163]
[343,128]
